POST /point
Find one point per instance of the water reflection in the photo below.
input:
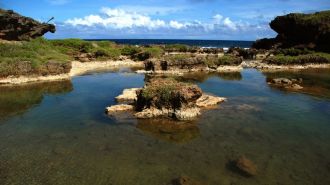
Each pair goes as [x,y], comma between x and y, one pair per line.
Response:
[18,99]
[203,76]
[169,130]
[316,82]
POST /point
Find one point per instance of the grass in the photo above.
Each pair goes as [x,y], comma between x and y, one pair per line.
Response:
[163,92]
[314,58]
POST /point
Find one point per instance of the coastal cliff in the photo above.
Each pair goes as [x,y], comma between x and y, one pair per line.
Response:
[311,31]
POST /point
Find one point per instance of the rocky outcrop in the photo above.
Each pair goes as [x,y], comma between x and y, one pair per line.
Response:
[128,95]
[292,84]
[172,63]
[14,26]
[299,30]
[166,98]
[208,101]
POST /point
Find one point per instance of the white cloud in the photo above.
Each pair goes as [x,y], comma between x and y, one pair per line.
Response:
[230,24]
[117,18]
[119,21]
[217,18]
[176,24]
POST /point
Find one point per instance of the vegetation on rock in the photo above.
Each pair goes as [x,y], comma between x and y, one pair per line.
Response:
[299,30]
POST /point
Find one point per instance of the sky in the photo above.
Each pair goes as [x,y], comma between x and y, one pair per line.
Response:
[162,19]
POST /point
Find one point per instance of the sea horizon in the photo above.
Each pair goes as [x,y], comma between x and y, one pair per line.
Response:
[189,42]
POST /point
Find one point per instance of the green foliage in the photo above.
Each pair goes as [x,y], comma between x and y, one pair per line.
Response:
[36,51]
[176,48]
[106,53]
[155,51]
[315,58]
[229,60]
[292,52]
[73,45]
[130,50]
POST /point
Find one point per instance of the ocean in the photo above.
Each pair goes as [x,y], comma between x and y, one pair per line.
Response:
[200,43]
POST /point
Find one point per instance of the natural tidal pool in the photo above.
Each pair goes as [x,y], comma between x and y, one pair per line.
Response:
[58,133]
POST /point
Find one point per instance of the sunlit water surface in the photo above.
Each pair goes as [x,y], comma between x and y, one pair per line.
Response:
[57,133]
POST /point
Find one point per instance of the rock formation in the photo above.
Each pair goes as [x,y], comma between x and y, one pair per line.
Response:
[291,84]
[299,30]
[167,98]
[14,26]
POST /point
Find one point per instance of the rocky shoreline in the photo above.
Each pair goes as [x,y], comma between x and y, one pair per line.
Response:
[77,68]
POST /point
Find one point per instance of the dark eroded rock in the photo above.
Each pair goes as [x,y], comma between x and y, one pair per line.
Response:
[14,26]
[299,30]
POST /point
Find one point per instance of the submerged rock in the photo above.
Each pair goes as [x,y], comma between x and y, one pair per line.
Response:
[169,130]
[14,26]
[246,166]
[185,180]
[286,83]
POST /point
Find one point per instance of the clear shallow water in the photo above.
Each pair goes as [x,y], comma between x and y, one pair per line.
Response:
[57,133]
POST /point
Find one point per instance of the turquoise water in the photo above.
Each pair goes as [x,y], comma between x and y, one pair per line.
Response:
[57,133]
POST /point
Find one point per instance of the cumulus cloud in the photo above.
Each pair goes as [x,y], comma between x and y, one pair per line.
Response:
[120,21]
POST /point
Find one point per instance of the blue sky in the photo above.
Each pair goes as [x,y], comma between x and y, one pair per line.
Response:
[167,19]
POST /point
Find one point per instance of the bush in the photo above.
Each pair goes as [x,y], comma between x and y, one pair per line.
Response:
[292,52]
[316,58]
[176,48]
[108,53]
[229,60]
[155,52]
[74,45]
[130,50]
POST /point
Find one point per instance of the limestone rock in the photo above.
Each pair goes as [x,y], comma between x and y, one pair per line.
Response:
[128,95]
[208,100]
[187,113]
[119,108]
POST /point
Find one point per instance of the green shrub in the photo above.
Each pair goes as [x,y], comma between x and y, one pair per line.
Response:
[316,58]
[176,48]
[155,51]
[106,53]
[292,52]
[229,60]
[74,45]
[130,51]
